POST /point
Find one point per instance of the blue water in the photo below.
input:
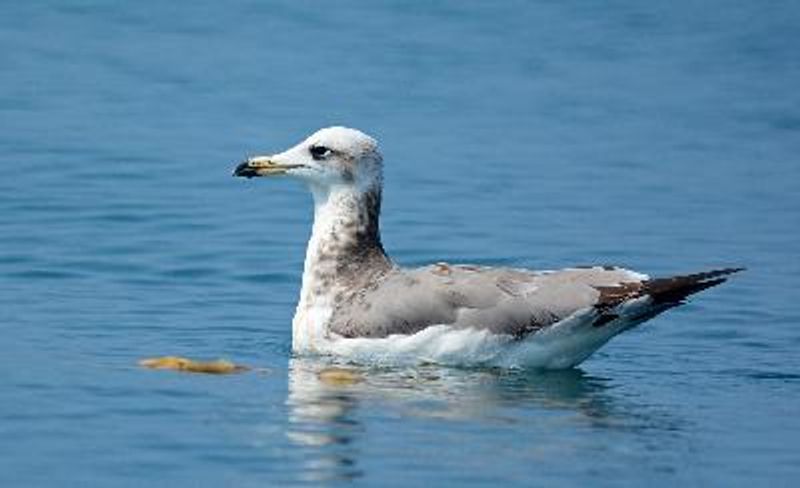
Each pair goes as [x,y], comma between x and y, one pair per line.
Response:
[537,134]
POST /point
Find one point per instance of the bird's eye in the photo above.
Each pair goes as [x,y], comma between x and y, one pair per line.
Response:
[319,152]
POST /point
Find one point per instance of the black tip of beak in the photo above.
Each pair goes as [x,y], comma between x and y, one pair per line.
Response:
[244,170]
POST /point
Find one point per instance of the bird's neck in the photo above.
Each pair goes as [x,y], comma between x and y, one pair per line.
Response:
[344,255]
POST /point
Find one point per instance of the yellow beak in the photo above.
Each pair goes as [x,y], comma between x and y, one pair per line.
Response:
[262,166]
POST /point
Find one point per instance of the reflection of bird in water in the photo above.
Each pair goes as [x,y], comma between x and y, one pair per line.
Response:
[329,417]
[321,419]
[357,303]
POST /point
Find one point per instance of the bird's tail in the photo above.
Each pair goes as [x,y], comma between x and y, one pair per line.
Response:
[675,289]
[663,294]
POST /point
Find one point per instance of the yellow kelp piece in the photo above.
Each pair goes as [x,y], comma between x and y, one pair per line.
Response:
[220,366]
[339,376]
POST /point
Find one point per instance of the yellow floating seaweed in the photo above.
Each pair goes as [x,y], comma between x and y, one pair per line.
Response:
[219,366]
[339,376]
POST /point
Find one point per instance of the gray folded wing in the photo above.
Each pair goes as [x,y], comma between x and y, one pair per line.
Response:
[501,300]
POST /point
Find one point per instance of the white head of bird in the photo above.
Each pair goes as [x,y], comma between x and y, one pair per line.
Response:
[331,159]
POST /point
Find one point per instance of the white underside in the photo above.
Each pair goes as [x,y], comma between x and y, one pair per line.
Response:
[563,345]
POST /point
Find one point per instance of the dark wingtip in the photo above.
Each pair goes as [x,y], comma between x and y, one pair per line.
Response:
[723,271]
[676,289]
[665,292]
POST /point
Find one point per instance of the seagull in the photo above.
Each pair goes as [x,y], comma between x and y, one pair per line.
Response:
[356,303]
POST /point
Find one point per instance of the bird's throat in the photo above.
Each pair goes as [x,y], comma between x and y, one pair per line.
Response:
[344,255]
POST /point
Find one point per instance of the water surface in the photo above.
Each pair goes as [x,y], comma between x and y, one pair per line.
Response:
[533,134]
